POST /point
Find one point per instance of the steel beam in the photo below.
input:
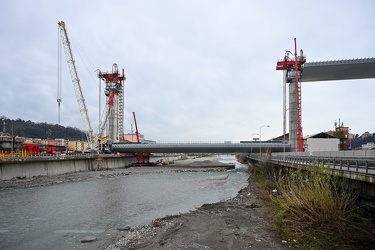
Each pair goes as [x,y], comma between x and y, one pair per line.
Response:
[339,70]
[199,147]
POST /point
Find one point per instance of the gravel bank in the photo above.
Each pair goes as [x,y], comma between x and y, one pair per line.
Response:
[237,223]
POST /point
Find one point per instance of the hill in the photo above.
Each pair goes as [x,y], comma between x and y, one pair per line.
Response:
[40,130]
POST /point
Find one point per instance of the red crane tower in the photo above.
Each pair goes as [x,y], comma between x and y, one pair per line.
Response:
[114,114]
[294,67]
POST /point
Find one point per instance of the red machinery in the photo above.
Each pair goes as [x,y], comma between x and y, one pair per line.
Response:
[295,66]
[143,159]
[114,114]
[34,149]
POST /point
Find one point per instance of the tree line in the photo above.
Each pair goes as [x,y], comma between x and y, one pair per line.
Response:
[41,130]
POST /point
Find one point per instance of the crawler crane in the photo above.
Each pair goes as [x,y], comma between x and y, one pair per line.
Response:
[114,92]
[77,85]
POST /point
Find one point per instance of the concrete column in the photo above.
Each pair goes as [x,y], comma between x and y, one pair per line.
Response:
[293,117]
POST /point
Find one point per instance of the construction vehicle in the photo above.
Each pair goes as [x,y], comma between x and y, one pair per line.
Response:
[114,87]
[166,160]
[77,85]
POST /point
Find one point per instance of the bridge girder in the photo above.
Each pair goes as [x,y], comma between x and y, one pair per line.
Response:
[339,70]
[200,147]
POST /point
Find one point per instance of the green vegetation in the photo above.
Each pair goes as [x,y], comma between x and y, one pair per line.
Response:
[41,130]
[313,209]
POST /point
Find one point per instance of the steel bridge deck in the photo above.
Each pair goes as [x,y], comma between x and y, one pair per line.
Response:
[199,147]
[339,70]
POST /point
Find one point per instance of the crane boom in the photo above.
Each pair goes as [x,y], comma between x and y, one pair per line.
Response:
[77,86]
[136,128]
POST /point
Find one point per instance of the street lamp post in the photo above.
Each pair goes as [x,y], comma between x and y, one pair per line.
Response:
[260,138]
[253,139]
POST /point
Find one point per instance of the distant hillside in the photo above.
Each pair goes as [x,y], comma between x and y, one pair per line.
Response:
[40,130]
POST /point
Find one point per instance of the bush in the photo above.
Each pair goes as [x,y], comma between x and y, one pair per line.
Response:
[313,209]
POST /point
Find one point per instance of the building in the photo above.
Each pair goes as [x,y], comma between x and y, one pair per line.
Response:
[132,137]
[321,142]
[368,146]
[342,133]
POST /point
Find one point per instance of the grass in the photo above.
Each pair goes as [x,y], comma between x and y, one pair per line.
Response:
[313,209]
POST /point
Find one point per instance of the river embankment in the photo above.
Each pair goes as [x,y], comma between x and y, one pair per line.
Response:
[202,164]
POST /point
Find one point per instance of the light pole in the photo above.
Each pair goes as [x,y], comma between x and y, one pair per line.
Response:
[260,137]
[253,139]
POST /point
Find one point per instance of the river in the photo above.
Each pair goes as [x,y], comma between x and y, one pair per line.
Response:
[58,216]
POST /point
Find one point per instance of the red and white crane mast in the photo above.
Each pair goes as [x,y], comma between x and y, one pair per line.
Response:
[114,114]
[293,70]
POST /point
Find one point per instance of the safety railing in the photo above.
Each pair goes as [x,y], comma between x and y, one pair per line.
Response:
[361,165]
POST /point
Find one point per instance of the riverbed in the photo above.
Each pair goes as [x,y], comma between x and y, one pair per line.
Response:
[59,216]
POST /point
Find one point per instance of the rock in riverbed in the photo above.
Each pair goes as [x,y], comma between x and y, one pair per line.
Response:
[88,239]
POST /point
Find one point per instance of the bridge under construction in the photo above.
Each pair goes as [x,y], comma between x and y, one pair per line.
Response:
[249,148]
[297,70]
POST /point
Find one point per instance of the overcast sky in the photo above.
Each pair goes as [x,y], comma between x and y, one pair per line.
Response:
[196,70]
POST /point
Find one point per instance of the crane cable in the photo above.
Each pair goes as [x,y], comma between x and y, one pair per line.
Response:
[59,58]
[84,57]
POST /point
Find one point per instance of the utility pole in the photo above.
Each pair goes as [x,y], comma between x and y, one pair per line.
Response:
[12,139]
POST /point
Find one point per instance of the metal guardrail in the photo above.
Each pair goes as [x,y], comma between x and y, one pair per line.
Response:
[361,165]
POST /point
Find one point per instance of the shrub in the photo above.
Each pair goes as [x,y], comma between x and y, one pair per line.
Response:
[313,207]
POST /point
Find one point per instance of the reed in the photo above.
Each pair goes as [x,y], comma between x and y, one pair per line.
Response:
[314,209]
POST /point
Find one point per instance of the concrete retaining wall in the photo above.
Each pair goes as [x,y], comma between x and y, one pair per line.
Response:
[47,167]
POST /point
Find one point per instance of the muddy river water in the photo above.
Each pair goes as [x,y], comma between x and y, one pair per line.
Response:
[58,216]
